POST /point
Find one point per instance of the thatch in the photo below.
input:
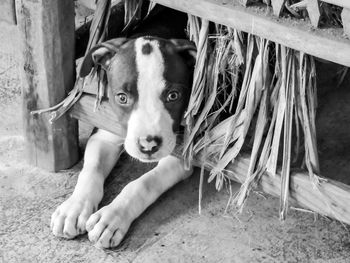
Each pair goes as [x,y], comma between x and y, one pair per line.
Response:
[274,113]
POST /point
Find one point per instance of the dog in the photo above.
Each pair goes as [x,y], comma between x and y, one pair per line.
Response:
[149,83]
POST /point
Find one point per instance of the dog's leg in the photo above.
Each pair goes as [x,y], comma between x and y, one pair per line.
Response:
[102,152]
[108,226]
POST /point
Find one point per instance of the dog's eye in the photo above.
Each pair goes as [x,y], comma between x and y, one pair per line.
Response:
[122,98]
[173,96]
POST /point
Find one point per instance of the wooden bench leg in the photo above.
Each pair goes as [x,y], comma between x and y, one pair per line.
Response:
[48,73]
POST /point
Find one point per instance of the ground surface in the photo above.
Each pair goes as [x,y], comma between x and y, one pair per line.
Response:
[171,230]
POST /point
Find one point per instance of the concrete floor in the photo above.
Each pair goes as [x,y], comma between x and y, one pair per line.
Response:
[171,230]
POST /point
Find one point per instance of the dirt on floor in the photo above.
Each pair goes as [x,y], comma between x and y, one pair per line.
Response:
[171,230]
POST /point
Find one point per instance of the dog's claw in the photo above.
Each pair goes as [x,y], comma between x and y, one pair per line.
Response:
[108,226]
[69,219]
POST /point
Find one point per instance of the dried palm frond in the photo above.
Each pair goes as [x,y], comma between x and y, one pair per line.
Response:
[97,33]
[274,111]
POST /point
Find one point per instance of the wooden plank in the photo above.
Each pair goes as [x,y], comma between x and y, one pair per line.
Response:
[330,200]
[314,42]
[342,3]
[48,73]
[302,192]
[103,118]
[8,12]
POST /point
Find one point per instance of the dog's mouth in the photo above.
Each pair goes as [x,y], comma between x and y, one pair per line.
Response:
[147,159]
[149,153]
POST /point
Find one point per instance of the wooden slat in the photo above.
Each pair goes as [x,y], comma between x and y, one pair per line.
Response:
[8,12]
[330,200]
[302,192]
[103,118]
[342,3]
[47,69]
[314,42]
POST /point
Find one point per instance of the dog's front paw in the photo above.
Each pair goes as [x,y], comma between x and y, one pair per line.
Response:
[69,219]
[108,226]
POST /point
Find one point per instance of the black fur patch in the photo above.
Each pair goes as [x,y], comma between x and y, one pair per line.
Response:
[146,49]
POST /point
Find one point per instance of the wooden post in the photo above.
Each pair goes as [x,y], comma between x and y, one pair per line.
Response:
[48,73]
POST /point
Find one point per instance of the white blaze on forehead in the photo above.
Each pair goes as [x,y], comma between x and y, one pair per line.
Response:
[150,116]
[150,68]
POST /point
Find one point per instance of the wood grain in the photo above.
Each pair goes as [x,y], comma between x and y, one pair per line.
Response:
[8,12]
[314,42]
[342,3]
[103,118]
[47,70]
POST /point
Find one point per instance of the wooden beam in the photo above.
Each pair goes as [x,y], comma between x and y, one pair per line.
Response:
[302,191]
[48,72]
[103,118]
[331,198]
[314,42]
[342,3]
[8,12]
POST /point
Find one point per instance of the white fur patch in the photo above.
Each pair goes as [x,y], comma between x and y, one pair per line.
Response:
[150,116]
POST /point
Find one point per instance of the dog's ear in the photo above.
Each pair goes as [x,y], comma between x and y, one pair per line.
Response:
[187,49]
[100,55]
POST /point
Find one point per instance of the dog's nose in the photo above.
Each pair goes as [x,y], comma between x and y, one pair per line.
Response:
[149,144]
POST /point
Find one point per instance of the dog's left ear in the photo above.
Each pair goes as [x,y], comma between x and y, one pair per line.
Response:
[100,55]
[187,49]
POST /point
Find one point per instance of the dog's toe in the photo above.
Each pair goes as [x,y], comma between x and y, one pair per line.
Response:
[70,217]
[105,239]
[92,221]
[70,227]
[107,227]
[81,224]
[57,224]
[95,231]
[117,238]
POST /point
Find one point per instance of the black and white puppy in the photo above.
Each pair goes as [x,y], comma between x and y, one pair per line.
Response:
[149,83]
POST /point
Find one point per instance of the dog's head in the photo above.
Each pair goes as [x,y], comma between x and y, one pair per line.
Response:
[149,83]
